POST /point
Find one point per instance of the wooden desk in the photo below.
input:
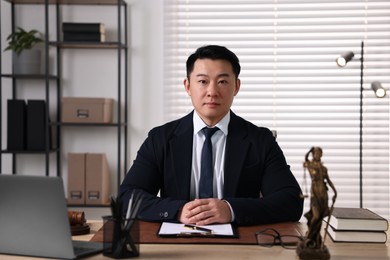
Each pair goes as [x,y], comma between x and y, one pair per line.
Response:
[338,251]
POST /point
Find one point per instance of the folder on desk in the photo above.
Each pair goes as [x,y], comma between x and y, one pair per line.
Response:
[168,229]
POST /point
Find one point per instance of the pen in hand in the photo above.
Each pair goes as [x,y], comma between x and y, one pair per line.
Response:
[194,227]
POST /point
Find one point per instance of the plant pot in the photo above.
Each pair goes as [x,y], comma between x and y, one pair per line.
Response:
[27,62]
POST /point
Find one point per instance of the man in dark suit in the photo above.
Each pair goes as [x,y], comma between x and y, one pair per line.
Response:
[251,182]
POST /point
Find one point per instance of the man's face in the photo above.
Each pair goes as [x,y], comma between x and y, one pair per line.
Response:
[212,86]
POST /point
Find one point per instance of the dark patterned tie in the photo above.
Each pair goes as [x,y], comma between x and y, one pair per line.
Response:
[206,165]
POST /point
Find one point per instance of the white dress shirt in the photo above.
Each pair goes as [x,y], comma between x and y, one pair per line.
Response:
[218,141]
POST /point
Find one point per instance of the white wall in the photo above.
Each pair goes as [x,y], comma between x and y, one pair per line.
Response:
[144,74]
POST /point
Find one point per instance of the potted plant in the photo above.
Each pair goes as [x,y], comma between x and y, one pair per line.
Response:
[26,58]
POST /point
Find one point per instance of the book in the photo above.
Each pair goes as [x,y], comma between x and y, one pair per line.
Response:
[83,27]
[37,126]
[84,37]
[357,219]
[16,124]
[357,236]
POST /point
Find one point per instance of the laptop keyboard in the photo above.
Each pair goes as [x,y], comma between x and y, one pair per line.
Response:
[83,247]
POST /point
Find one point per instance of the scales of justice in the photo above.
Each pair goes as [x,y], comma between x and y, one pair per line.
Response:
[313,245]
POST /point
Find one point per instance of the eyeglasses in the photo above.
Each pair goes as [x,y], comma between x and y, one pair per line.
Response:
[270,237]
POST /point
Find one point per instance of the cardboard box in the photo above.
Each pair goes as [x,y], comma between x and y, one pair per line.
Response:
[86,110]
[97,179]
[76,178]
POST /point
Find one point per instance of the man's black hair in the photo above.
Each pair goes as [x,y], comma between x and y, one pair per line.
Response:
[213,52]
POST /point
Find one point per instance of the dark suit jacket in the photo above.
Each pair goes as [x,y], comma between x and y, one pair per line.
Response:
[254,165]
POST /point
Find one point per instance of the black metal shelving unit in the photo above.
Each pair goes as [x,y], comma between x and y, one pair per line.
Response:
[120,46]
[47,81]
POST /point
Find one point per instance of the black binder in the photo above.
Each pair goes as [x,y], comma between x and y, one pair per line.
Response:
[16,125]
[37,125]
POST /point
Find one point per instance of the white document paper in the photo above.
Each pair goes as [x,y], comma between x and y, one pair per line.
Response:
[168,229]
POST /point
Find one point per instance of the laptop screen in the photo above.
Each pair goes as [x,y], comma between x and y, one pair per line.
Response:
[34,219]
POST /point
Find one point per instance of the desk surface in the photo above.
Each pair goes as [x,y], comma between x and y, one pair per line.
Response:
[338,251]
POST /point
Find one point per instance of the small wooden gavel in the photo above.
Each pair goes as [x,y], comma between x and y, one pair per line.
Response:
[76,218]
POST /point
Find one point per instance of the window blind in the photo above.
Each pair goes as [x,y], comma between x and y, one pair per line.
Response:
[290,81]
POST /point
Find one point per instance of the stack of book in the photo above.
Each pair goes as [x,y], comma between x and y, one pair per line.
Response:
[83,32]
[357,225]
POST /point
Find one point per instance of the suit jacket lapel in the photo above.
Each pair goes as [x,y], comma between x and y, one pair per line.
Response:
[235,154]
[181,155]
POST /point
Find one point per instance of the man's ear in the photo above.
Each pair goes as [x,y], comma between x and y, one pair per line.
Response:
[238,86]
[186,83]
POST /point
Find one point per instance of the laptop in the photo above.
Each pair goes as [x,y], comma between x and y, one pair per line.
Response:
[34,219]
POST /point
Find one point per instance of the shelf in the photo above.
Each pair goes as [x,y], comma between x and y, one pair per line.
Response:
[28,76]
[88,206]
[88,45]
[28,151]
[68,2]
[90,124]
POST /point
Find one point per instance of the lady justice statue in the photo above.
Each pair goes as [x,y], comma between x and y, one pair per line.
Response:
[313,247]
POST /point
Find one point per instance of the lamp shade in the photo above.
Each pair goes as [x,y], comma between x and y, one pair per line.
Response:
[344,58]
[380,92]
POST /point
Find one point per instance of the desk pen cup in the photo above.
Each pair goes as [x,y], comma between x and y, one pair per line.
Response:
[120,237]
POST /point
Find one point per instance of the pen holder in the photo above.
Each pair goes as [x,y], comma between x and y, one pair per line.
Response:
[120,237]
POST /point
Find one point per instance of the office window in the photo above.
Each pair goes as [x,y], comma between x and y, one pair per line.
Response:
[291,83]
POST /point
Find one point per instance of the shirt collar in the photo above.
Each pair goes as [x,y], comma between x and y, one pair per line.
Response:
[222,124]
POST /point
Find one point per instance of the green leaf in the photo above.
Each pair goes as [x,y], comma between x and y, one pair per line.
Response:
[21,40]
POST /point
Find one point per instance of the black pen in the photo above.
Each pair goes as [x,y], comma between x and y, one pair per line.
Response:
[194,227]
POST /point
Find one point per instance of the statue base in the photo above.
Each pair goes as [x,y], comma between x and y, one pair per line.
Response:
[306,253]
